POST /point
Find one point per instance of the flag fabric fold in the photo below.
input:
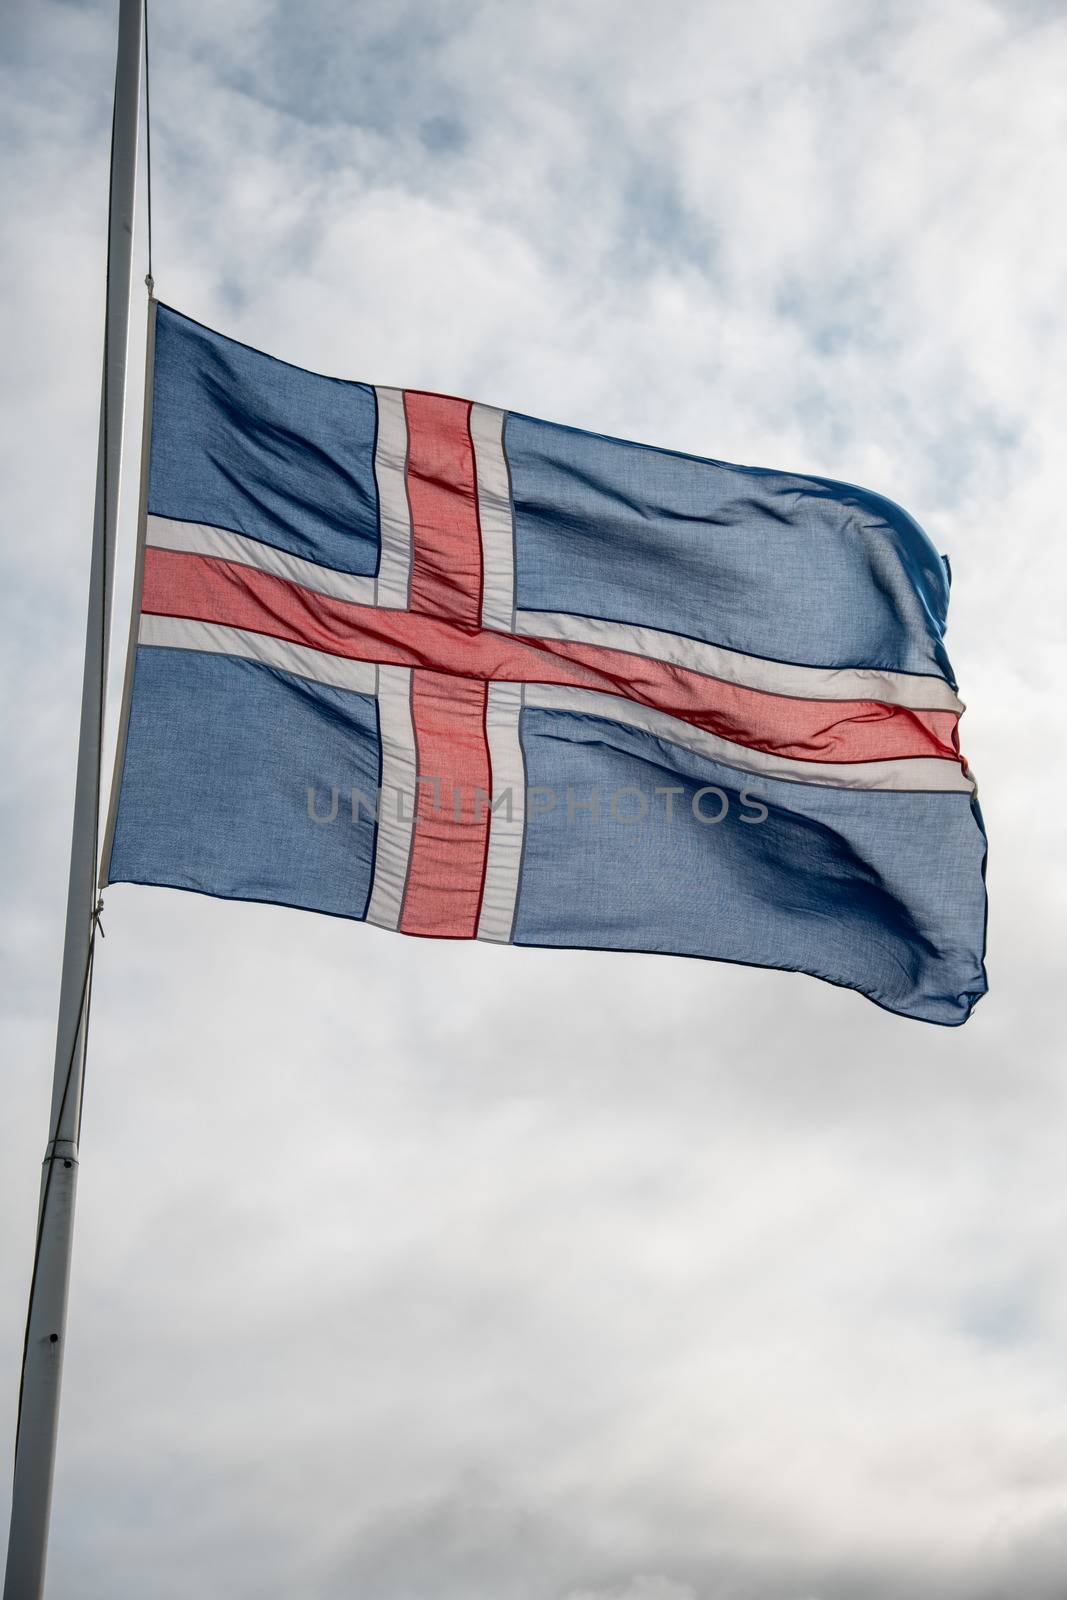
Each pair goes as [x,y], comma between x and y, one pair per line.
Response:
[462,673]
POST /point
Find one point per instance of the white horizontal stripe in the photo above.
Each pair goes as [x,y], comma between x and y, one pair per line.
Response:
[920,773]
[396,799]
[750,672]
[508,822]
[914,691]
[197,538]
[184,633]
[394,512]
[494,519]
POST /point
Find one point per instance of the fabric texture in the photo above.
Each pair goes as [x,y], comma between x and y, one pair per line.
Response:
[462,673]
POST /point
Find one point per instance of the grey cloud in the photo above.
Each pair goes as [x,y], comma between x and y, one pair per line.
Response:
[407,1270]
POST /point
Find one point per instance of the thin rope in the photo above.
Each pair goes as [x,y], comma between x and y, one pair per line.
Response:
[98,928]
[150,280]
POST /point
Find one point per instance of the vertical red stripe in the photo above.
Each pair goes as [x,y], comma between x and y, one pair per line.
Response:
[446,563]
[451,833]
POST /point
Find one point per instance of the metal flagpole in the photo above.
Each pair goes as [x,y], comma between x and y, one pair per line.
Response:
[35,1444]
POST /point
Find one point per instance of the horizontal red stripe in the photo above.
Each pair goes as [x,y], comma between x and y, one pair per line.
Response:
[181,585]
[451,834]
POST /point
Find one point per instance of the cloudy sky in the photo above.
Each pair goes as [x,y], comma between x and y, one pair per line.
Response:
[416,1271]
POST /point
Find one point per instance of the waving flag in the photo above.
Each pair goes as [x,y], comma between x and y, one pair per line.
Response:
[465,674]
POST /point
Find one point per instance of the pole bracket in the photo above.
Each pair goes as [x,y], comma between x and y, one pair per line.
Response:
[62,1150]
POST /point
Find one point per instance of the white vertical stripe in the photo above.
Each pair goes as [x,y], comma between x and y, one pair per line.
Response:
[494,517]
[508,821]
[390,470]
[396,803]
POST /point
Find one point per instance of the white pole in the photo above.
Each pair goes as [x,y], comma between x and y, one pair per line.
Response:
[35,1446]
